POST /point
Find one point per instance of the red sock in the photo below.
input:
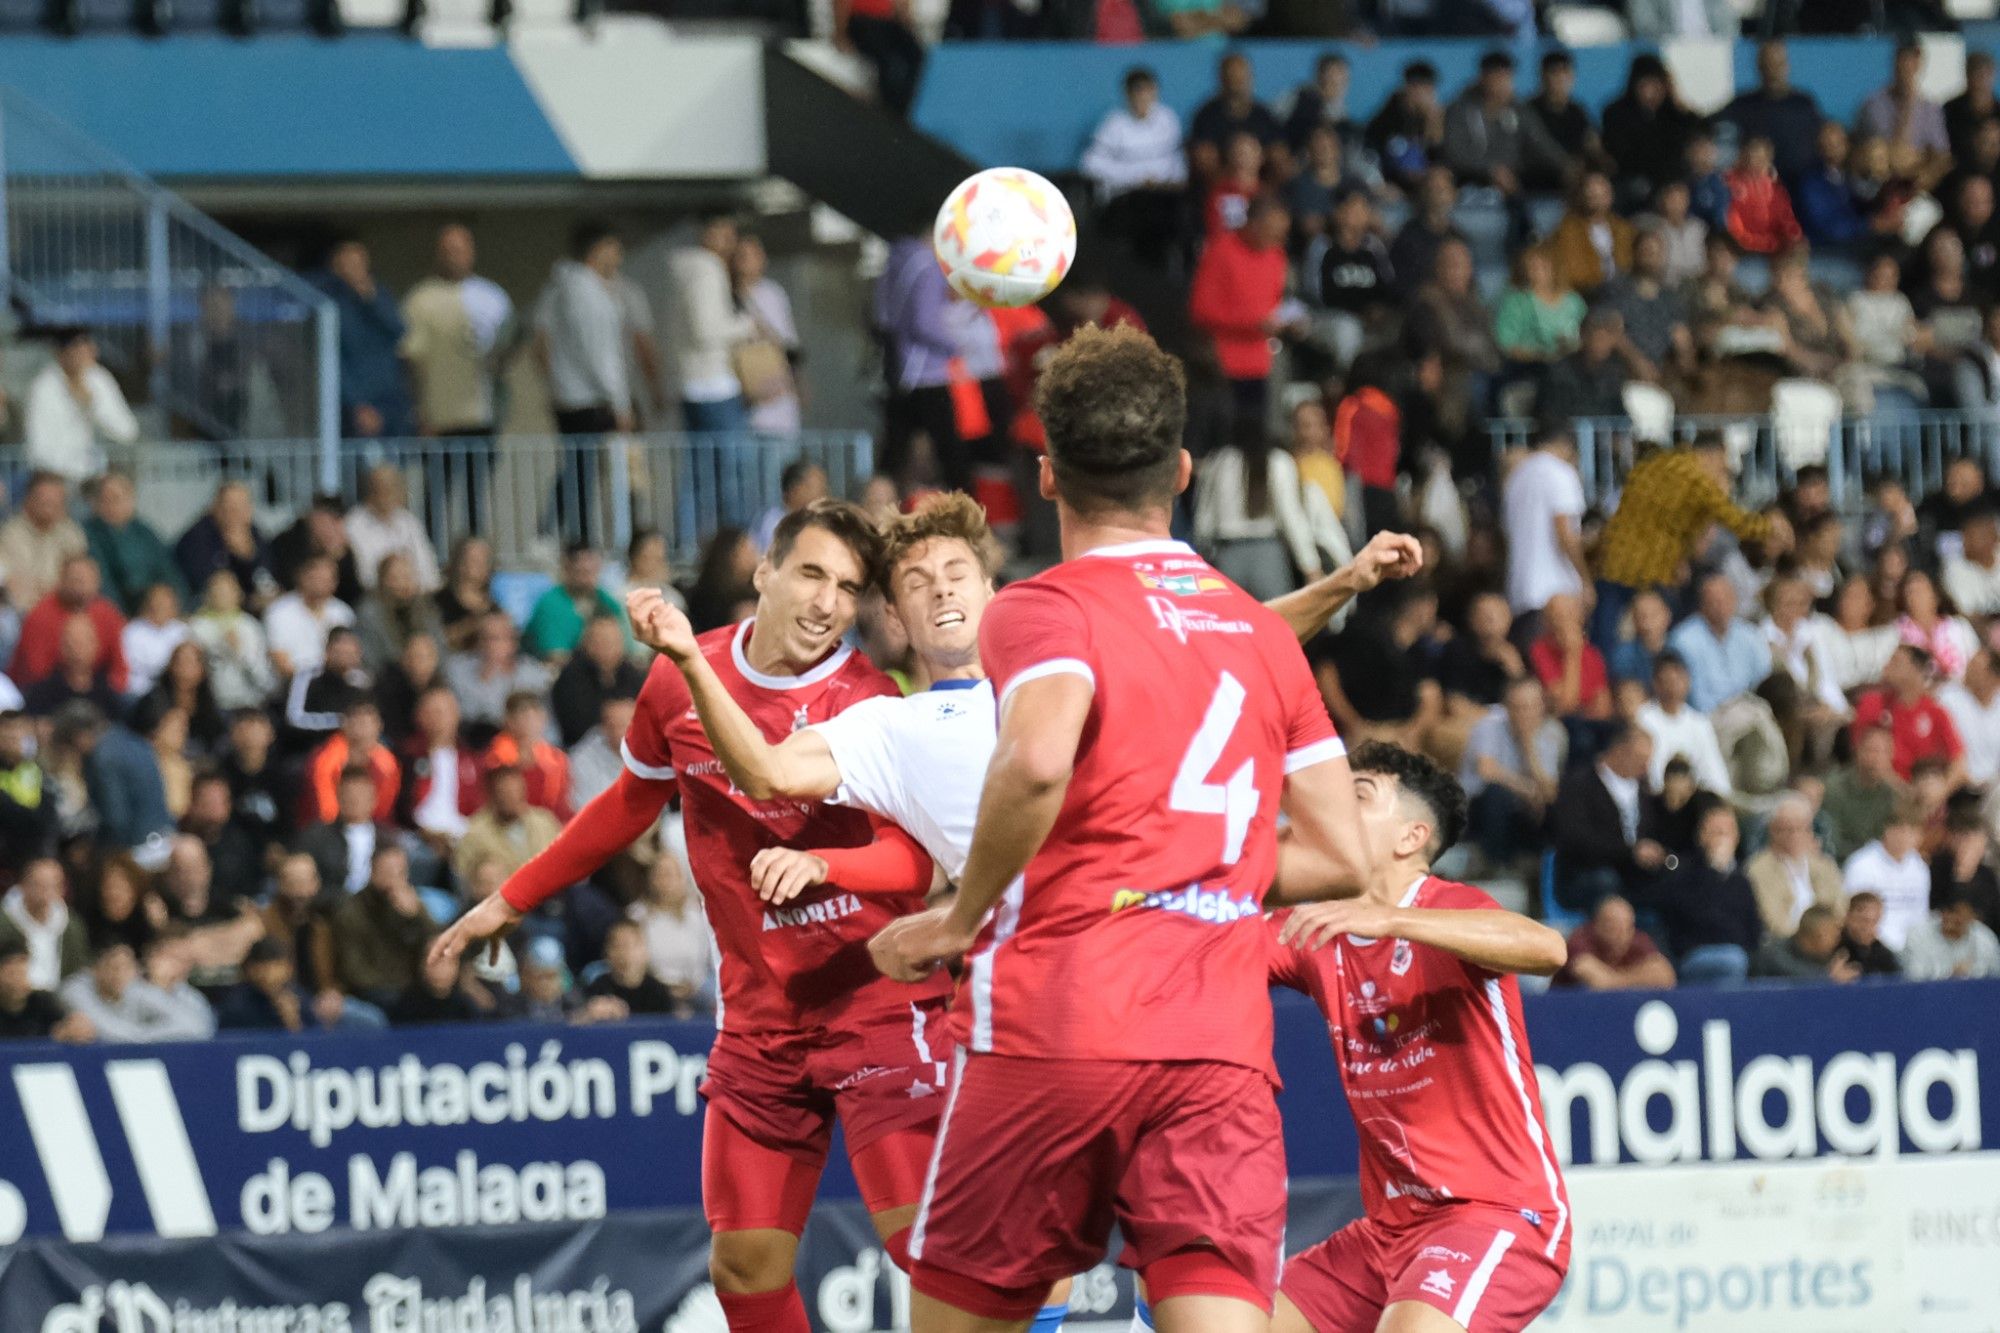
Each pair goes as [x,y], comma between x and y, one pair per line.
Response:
[779,1311]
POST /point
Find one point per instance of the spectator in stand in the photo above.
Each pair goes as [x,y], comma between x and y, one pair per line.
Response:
[1322,102]
[78,674]
[1592,244]
[1254,519]
[167,731]
[1792,876]
[1965,113]
[1928,622]
[1980,160]
[1346,276]
[879,31]
[1539,321]
[544,996]
[394,613]
[1760,208]
[680,949]
[591,326]
[249,764]
[1774,110]
[1951,942]
[358,742]
[1367,438]
[441,993]
[1860,936]
[374,398]
[1970,214]
[707,326]
[76,594]
[1233,110]
[938,345]
[319,530]
[35,917]
[35,542]
[1959,868]
[1797,641]
[1823,198]
[1971,576]
[1885,331]
[1227,206]
[627,985]
[1512,758]
[226,538]
[1860,798]
[121,1006]
[467,596]
[1542,516]
[1374,675]
[297,624]
[559,615]
[1725,656]
[597,759]
[1707,905]
[232,850]
[383,525]
[1321,180]
[75,409]
[1943,512]
[646,566]
[1670,501]
[457,327]
[1557,133]
[1679,731]
[1649,135]
[1484,138]
[149,639]
[1476,665]
[1138,163]
[443,788]
[1902,115]
[801,483]
[1655,315]
[599,670]
[508,830]
[1918,724]
[232,646]
[1237,299]
[344,847]
[268,998]
[1568,665]
[523,744]
[1610,952]
[402,681]
[1413,255]
[1810,953]
[122,907]
[380,932]
[28,1012]
[1590,381]
[27,794]
[320,695]
[1604,824]
[722,587]
[129,553]
[1451,322]
[1407,134]
[1892,867]
[768,362]
[1974,706]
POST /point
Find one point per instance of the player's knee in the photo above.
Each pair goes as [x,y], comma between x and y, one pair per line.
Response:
[751,1261]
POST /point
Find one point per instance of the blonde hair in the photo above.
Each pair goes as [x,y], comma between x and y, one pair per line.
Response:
[950,516]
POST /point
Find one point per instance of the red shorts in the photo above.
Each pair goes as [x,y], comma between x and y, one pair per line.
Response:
[1037,1159]
[1483,1266]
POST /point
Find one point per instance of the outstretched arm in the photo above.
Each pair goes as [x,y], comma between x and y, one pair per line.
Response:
[801,765]
[1322,855]
[1388,555]
[894,863]
[1495,940]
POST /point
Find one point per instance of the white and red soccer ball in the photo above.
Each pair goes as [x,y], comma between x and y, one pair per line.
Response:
[1005,237]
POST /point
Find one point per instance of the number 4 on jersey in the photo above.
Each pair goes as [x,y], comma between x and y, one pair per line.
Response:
[1235,799]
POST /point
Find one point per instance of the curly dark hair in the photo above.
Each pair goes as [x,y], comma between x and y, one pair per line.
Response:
[1114,407]
[1422,780]
[847,523]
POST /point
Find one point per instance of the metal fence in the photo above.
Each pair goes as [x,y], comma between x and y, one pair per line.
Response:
[528,495]
[228,344]
[1913,447]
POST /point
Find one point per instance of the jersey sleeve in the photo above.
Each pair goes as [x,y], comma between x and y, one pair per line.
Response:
[862,740]
[1289,966]
[1033,630]
[664,697]
[1310,737]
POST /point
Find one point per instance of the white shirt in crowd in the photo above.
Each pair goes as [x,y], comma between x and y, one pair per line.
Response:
[1689,734]
[1541,491]
[147,647]
[1625,795]
[1857,658]
[1300,515]
[61,436]
[770,308]
[1973,589]
[680,948]
[143,1012]
[372,538]
[43,938]
[1127,152]
[360,853]
[438,812]
[707,324]
[588,324]
[1978,726]
[1905,887]
[1802,655]
[294,629]
[1928,956]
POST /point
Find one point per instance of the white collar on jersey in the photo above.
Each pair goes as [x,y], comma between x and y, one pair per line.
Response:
[834,662]
[1150,546]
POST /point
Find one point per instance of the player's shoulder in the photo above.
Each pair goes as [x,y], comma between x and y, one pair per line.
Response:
[862,679]
[1451,895]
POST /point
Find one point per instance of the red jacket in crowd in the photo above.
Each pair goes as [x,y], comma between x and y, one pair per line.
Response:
[1236,290]
[545,766]
[1368,437]
[41,641]
[1760,213]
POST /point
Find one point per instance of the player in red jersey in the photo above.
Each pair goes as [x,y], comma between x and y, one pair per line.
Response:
[1153,719]
[1468,1223]
[806,1028]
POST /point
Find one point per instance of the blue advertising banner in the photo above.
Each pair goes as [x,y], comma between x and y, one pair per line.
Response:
[500,1125]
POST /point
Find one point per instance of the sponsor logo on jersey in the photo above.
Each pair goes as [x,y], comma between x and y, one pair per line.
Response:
[1181,621]
[1437,1282]
[812,914]
[1443,1254]
[1182,585]
[1210,906]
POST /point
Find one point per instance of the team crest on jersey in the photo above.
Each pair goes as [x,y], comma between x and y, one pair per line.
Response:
[1437,1283]
[799,719]
[1182,585]
[1401,957]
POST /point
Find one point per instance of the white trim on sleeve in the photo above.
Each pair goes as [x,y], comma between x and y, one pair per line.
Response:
[654,772]
[1317,753]
[1055,666]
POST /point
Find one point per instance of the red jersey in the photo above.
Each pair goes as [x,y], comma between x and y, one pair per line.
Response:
[1137,932]
[1922,730]
[1434,1057]
[806,964]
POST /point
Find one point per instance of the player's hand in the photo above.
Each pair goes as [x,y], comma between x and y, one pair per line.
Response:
[916,946]
[660,625]
[1316,925]
[1388,555]
[780,874]
[491,921]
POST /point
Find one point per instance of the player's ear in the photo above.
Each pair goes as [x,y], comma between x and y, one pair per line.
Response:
[1045,479]
[1415,836]
[1184,473]
[894,616]
[763,572]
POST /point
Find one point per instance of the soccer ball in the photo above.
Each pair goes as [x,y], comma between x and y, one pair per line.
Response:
[1004,237]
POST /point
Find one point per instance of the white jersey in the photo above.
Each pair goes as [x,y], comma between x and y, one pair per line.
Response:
[919,761]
